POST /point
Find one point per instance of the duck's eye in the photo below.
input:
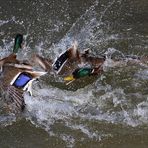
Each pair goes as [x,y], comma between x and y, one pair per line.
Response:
[22,80]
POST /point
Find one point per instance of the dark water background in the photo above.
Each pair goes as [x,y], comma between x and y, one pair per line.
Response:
[108,111]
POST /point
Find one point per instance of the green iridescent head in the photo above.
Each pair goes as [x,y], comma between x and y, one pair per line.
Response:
[82,72]
[17,43]
[79,73]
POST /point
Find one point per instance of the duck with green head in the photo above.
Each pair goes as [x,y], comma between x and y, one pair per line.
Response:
[16,78]
[83,72]
[72,59]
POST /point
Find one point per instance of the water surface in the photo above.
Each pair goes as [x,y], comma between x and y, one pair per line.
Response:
[110,110]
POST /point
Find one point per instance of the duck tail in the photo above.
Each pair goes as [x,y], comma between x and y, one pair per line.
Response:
[75,46]
[74,52]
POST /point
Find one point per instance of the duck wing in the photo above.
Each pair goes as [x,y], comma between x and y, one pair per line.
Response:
[60,61]
[13,98]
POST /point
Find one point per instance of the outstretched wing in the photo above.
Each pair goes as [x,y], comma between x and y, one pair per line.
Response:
[14,99]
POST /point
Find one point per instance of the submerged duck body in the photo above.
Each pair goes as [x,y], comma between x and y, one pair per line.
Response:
[72,64]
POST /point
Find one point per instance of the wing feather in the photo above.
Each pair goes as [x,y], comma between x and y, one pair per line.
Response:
[14,97]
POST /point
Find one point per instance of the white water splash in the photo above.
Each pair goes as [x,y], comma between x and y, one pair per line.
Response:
[99,101]
[13,19]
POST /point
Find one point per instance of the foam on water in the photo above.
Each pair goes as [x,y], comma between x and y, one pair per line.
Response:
[6,120]
[56,103]
[48,105]
[142,74]
[142,111]
[102,101]
[5,50]
[51,105]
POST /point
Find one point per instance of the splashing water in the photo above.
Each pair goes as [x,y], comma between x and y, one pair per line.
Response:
[117,97]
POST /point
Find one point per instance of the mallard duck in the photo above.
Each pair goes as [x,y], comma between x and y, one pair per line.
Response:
[15,79]
[72,59]
[95,65]
[83,72]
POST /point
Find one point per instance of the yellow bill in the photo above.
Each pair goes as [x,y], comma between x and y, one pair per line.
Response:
[69,78]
